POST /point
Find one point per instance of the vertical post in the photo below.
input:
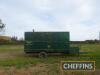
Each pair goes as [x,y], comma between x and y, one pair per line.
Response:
[33,30]
[99,36]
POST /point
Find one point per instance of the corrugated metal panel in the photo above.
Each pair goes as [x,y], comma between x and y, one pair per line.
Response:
[47,36]
[74,50]
[47,41]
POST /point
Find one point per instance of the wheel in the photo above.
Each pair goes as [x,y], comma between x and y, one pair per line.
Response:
[42,54]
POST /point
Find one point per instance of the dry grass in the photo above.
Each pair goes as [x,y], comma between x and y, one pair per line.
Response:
[13,61]
[41,69]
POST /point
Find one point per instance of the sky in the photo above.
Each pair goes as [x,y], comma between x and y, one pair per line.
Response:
[80,17]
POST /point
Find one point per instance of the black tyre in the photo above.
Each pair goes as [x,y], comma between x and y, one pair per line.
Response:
[42,54]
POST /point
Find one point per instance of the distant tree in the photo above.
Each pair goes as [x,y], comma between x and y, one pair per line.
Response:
[14,38]
[92,41]
[2,27]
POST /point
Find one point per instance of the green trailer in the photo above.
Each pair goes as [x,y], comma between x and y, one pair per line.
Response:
[48,42]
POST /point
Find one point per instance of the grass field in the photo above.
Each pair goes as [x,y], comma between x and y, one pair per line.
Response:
[13,61]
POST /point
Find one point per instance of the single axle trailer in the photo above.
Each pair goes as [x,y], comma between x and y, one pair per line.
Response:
[45,43]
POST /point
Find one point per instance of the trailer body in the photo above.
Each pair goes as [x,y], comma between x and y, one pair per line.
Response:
[49,42]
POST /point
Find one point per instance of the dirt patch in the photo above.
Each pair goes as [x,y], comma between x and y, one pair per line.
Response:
[9,55]
[40,69]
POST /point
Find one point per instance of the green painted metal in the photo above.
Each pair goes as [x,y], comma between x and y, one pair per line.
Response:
[51,42]
[74,50]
